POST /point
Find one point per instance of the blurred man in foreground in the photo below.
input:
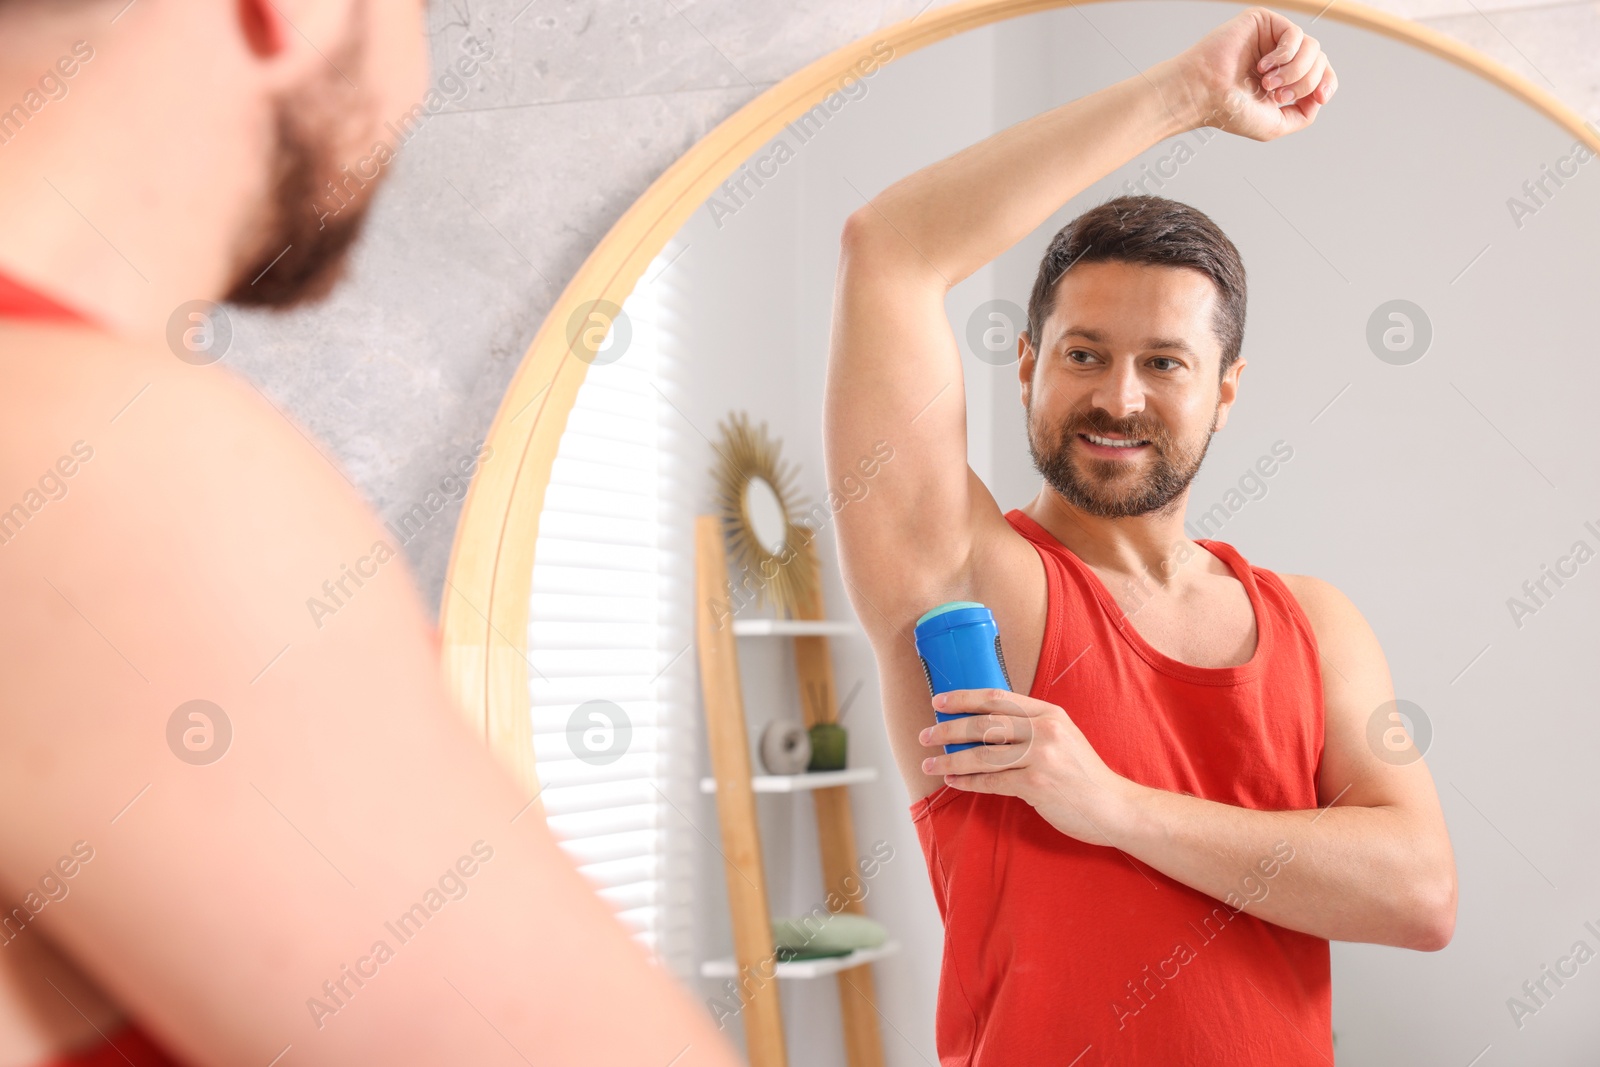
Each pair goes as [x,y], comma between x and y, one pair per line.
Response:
[266,838]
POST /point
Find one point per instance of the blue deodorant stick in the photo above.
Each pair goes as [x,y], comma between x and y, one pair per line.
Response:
[960,649]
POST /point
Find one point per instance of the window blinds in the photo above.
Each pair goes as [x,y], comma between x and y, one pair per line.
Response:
[610,627]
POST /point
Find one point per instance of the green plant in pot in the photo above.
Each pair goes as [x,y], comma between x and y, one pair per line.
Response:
[827,747]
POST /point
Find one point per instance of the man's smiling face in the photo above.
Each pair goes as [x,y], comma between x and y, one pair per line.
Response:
[1122,395]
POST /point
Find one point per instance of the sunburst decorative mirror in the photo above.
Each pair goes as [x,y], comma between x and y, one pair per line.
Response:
[760,509]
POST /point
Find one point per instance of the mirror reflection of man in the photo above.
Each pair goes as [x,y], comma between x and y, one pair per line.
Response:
[1178,806]
[213,881]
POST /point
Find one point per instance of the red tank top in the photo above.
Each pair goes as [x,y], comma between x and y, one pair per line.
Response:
[18,301]
[1060,952]
[128,1045]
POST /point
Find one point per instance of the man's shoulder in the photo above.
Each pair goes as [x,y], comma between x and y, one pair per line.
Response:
[143,487]
[80,383]
[1333,616]
[203,437]
[1314,593]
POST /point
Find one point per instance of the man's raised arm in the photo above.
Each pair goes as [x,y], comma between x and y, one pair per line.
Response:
[894,369]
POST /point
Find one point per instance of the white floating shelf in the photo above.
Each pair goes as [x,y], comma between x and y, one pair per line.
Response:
[796,783]
[818,968]
[794,628]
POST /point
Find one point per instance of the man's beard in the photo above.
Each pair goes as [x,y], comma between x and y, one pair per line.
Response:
[298,249]
[1109,488]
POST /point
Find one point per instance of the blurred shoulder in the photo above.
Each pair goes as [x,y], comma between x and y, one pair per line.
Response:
[143,486]
[155,424]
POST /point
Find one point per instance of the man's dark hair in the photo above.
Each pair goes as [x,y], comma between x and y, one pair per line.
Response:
[1147,230]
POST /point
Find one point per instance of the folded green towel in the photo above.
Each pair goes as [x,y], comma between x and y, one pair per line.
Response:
[816,936]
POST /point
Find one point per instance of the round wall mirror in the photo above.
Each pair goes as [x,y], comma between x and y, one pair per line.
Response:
[765,514]
[1412,429]
[767,540]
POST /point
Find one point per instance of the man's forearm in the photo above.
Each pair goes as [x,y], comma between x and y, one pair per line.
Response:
[956,215]
[1354,873]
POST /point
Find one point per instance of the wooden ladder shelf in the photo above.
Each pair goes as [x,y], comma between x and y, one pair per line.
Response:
[726,728]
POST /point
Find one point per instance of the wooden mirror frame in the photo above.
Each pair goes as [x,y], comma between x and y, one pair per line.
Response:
[483,615]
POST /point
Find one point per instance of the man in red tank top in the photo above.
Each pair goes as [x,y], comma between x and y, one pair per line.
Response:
[1177,807]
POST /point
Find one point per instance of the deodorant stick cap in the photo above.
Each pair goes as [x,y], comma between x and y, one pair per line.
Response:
[949,605]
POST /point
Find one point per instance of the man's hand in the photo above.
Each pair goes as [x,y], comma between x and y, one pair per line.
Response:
[1031,751]
[1257,75]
